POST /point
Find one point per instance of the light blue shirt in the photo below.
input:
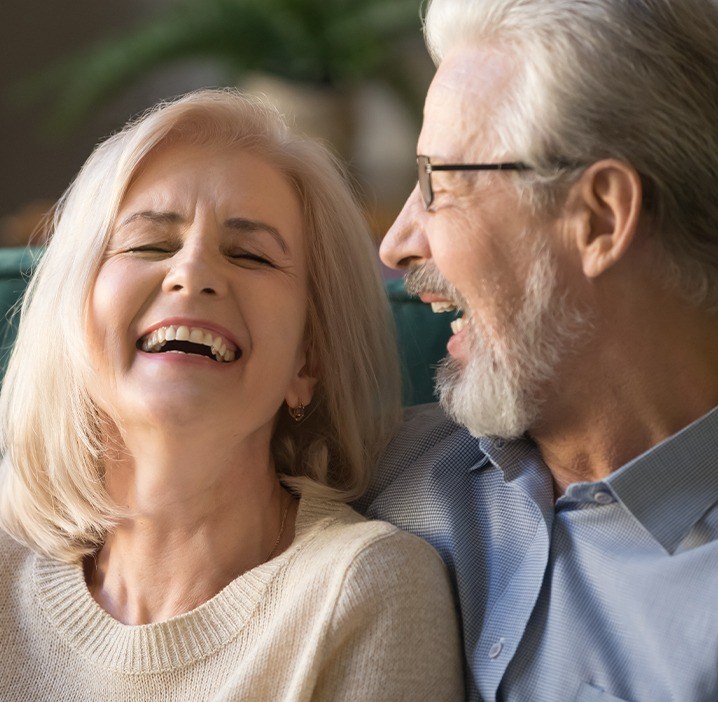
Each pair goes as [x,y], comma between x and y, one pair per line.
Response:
[608,593]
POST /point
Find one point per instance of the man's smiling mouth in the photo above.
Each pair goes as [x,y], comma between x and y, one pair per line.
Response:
[441,306]
[189,340]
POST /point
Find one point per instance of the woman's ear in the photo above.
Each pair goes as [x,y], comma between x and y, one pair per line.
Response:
[301,387]
[609,195]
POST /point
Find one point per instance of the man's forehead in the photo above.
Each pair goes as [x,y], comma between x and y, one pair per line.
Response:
[467,86]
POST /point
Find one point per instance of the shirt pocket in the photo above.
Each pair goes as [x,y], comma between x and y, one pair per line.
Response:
[591,693]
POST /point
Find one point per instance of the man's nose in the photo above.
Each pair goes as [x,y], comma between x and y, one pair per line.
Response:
[405,244]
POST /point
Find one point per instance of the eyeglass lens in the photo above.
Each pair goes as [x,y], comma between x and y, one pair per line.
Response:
[424,173]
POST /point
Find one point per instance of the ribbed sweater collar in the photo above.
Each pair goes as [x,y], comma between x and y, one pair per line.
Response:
[179,641]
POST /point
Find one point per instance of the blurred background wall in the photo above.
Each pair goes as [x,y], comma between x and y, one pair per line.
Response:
[364,100]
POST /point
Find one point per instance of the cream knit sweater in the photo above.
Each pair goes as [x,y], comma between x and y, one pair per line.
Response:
[353,610]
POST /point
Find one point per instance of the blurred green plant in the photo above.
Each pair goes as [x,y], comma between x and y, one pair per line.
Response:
[332,43]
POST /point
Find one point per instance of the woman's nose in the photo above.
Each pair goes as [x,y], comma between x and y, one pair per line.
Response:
[197,269]
[405,244]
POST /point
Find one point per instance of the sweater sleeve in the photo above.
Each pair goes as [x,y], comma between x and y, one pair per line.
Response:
[394,634]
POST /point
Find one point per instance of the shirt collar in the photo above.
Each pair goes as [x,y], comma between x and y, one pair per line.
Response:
[672,485]
[667,489]
[522,466]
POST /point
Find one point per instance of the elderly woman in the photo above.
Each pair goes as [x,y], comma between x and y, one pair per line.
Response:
[203,375]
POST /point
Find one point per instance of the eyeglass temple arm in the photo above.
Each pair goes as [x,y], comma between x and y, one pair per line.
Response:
[512,166]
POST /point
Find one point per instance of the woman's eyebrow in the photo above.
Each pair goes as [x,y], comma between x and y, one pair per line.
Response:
[241,224]
[153,216]
[252,225]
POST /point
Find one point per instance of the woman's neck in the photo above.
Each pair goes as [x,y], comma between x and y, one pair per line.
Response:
[199,515]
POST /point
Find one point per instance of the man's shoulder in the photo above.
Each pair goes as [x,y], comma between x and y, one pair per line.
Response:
[427,443]
[424,427]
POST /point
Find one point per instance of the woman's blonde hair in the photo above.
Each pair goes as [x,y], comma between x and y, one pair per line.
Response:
[52,494]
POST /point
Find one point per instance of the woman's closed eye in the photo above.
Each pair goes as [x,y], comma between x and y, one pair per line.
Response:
[239,257]
[151,249]
[247,257]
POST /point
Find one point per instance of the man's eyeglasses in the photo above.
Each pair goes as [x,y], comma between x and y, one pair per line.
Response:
[425,168]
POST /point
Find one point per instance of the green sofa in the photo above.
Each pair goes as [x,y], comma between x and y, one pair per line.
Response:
[15,268]
[422,337]
[422,334]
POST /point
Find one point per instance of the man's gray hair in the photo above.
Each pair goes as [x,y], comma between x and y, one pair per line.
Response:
[635,80]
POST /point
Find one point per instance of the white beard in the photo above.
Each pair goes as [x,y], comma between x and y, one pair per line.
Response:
[500,391]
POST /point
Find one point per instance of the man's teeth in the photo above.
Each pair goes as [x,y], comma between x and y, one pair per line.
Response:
[442,307]
[458,324]
[445,306]
[154,342]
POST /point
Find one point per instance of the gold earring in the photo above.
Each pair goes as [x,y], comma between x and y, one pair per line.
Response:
[297,413]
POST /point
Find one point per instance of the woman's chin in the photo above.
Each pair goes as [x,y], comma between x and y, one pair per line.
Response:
[171,409]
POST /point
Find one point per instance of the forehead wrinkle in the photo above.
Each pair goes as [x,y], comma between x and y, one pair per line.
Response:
[468,89]
[242,224]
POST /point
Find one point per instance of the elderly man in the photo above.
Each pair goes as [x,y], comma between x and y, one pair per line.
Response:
[567,209]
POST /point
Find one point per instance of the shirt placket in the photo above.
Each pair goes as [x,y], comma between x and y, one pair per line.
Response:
[508,614]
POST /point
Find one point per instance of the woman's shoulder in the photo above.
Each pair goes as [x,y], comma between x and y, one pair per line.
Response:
[15,564]
[12,552]
[391,614]
[344,537]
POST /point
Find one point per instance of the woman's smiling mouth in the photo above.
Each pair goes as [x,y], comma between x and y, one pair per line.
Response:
[189,340]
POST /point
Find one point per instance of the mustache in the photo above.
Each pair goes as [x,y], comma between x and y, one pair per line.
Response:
[426,278]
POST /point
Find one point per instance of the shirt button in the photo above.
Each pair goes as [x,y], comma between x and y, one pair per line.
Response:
[603,498]
[496,649]
[500,443]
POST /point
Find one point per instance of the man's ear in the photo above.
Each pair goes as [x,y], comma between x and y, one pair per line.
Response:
[609,196]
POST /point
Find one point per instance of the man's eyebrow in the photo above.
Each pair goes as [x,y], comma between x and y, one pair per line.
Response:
[153,216]
[251,225]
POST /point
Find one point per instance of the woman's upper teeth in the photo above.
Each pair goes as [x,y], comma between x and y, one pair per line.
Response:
[222,349]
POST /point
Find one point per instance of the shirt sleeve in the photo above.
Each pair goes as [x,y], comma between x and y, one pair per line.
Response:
[394,633]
